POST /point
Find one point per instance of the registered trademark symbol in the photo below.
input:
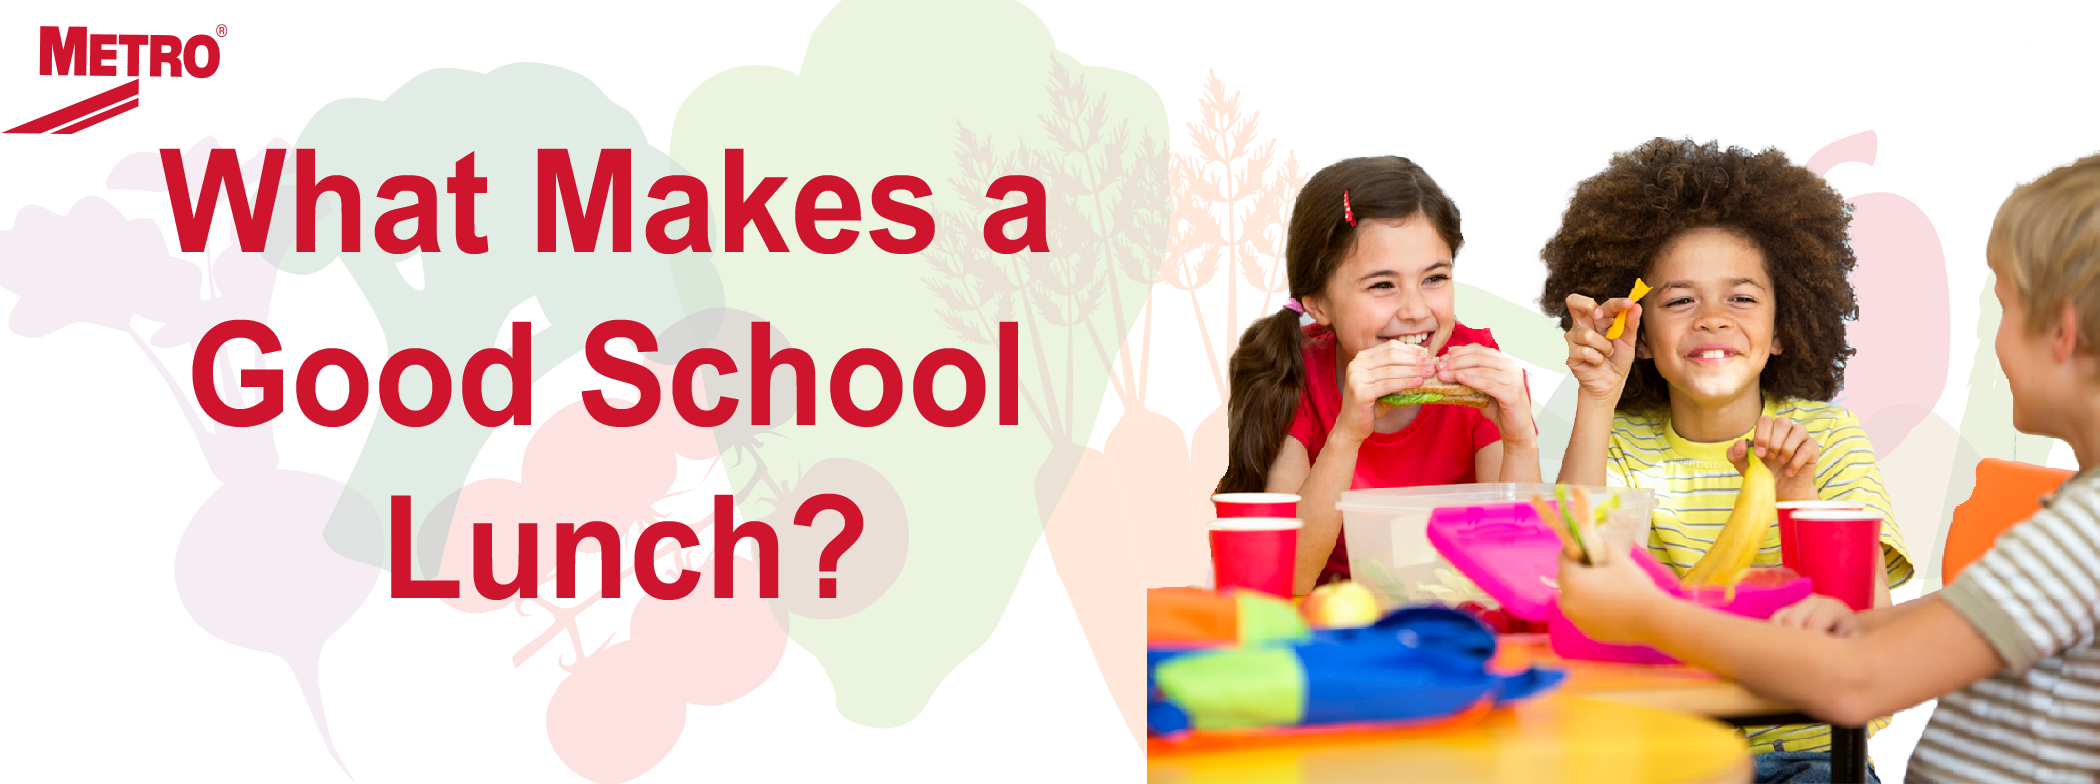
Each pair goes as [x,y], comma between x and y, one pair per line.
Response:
[222,31]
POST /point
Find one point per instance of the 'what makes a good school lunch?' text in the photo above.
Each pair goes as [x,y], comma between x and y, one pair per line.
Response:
[609,209]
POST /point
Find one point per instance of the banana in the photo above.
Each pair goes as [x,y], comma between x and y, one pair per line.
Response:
[1740,539]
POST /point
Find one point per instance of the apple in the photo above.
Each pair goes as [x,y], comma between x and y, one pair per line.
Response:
[1343,605]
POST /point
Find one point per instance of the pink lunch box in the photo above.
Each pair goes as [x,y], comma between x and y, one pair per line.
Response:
[1510,553]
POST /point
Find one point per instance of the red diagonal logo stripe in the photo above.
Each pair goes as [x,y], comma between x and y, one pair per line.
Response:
[84,108]
[120,109]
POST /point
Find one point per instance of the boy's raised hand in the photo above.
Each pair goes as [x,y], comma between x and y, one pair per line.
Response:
[1787,449]
[1600,364]
[1388,368]
[1498,376]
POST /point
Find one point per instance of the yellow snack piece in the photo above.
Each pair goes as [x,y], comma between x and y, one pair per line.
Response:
[1618,322]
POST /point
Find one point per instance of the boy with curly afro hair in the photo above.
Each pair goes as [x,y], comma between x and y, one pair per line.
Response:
[1737,350]
[2009,646]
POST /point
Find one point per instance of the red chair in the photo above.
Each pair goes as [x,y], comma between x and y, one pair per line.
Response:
[2006,493]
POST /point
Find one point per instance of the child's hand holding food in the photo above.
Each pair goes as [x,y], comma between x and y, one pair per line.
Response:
[1384,369]
[1496,375]
[1787,449]
[1610,598]
[1600,363]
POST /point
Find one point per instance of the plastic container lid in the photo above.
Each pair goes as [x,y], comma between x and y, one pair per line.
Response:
[1506,550]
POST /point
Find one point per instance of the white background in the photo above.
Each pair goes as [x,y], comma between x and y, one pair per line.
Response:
[107,678]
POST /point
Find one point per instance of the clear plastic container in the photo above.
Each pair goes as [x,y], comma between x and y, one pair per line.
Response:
[1515,557]
[1389,549]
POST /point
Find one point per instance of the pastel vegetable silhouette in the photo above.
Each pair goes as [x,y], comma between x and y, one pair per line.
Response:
[618,713]
[1901,332]
[871,564]
[252,570]
[1134,512]
[721,649]
[460,301]
[992,97]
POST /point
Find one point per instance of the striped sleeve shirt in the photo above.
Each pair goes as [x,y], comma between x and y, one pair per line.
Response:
[2034,597]
[1695,490]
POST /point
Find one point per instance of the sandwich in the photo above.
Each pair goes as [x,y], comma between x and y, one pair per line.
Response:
[1573,519]
[1438,392]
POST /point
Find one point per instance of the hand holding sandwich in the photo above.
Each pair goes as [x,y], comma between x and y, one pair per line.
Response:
[1493,378]
[1389,368]
[1611,597]
[1395,374]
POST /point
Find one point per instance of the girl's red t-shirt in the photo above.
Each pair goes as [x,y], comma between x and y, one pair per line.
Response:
[1437,448]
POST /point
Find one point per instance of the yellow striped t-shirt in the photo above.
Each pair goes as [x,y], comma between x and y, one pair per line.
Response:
[1695,489]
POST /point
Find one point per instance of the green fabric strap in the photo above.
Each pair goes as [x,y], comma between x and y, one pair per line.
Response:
[1237,688]
[1264,620]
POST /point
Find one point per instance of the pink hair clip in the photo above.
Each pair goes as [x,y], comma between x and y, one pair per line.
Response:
[1292,304]
[1346,212]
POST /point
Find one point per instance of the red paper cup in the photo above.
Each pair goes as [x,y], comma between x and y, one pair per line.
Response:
[1256,553]
[1787,537]
[1280,505]
[1840,553]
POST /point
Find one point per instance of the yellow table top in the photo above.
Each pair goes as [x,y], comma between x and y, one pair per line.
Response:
[1673,687]
[1555,738]
[1606,723]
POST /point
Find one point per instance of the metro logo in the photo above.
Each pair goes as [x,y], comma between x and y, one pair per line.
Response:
[78,53]
[74,51]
